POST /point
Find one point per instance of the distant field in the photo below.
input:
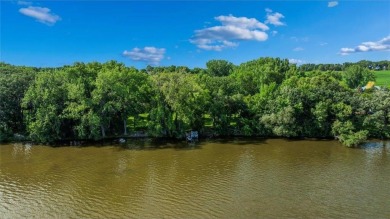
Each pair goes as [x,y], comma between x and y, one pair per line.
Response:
[383,78]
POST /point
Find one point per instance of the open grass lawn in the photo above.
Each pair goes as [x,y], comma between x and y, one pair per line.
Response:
[141,122]
[382,78]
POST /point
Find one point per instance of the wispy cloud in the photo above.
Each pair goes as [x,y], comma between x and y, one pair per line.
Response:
[323,43]
[42,15]
[150,55]
[381,45]
[274,18]
[231,30]
[333,4]
[24,3]
[297,49]
[274,33]
[299,39]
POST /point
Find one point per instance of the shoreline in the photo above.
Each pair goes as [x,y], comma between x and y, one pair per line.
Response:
[118,140]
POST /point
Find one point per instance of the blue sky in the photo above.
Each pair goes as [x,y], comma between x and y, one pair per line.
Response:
[138,33]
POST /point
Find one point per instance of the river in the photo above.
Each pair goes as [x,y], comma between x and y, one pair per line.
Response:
[257,178]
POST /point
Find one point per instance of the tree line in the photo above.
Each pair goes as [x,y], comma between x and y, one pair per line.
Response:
[377,66]
[267,97]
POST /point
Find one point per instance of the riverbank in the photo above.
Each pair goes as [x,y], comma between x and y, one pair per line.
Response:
[140,139]
[261,97]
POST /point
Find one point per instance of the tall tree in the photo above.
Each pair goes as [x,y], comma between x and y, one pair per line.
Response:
[43,104]
[179,103]
[120,92]
[219,68]
[254,74]
[224,103]
[355,76]
[80,111]
[14,81]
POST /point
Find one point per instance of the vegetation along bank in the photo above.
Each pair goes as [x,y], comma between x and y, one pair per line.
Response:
[267,97]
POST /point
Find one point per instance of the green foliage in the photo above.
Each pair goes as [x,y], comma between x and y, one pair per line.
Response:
[356,76]
[302,106]
[377,106]
[282,123]
[14,81]
[353,139]
[263,97]
[346,133]
[44,101]
[120,92]
[379,65]
[79,109]
[178,104]
[85,101]
[219,68]
[224,101]
[252,75]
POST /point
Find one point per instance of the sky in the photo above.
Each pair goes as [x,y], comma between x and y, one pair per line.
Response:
[54,33]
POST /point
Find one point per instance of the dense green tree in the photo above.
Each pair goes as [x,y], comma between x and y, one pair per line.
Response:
[252,75]
[80,111]
[43,104]
[14,81]
[225,101]
[355,76]
[263,97]
[219,67]
[303,106]
[178,104]
[84,101]
[120,92]
[376,113]
[379,65]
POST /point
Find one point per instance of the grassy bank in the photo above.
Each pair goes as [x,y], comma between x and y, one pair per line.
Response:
[383,78]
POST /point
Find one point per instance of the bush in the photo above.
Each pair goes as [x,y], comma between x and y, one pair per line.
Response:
[353,138]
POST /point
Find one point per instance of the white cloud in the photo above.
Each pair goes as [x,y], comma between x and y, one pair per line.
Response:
[244,22]
[332,4]
[150,55]
[381,45]
[295,61]
[297,49]
[274,33]
[24,3]
[274,18]
[346,51]
[232,29]
[42,15]
[323,44]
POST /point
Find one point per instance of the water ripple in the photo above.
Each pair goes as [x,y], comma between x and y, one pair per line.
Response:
[271,179]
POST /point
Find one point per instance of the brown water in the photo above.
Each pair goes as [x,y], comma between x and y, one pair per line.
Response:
[231,179]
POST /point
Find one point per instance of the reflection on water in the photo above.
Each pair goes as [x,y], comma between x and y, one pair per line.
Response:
[23,150]
[217,179]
